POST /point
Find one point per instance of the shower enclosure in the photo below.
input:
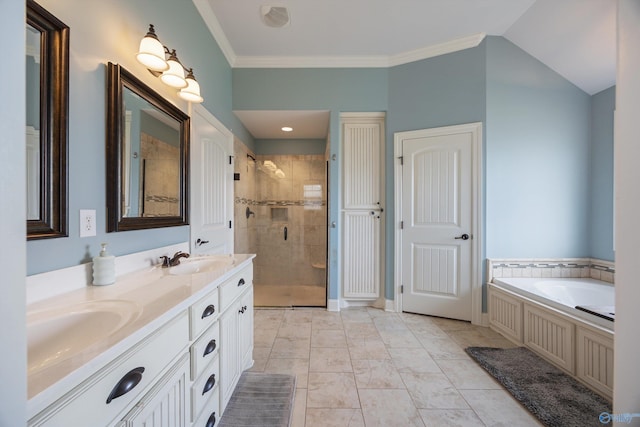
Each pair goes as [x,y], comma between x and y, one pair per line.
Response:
[291,230]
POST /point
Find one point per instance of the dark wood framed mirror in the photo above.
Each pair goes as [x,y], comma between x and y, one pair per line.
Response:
[147,156]
[47,95]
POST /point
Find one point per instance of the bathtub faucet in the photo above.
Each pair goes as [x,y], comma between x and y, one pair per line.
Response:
[172,262]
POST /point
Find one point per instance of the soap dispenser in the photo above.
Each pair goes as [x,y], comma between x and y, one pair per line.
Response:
[104,268]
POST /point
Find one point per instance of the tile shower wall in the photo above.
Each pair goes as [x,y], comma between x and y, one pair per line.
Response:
[291,196]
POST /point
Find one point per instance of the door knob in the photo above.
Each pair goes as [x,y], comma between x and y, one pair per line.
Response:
[463,237]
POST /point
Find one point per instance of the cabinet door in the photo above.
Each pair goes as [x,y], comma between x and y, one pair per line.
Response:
[361,254]
[166,404]
[229,353]
[245,338]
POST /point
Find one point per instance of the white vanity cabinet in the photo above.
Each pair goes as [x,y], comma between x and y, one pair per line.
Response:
[236,331]
[180,373]
[104,396]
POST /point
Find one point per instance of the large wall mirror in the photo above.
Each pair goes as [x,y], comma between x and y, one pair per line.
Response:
[47,94]
[147,156]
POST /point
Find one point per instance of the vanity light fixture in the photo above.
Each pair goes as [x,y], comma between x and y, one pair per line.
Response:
[153,55]
[287,129]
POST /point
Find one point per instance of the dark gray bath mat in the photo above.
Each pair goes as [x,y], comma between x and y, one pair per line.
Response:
[554,397]
[260,400]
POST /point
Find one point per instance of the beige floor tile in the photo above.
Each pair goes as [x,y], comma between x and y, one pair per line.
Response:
[399,339]
[288,330]
[264,337]
[443,348]
[328,338]
[433,391]
[330,360]
[373,349]
[376,374]
[298,316]
[317,417]
[467,374]
[413,360]
[356,315]
[498,408]
[329,320]
[386,369]
[332,390]
[291,348]
[361,330]
[299,408]
[450,417]
[392,407]
[297,367]
[390,323]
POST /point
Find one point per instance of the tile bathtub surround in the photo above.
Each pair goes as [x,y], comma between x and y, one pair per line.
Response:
[367,367]
[556,268]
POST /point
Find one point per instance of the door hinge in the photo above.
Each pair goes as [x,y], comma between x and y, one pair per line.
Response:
[401,225]
[230,224]
[230,160]
[401,160]
[401,289]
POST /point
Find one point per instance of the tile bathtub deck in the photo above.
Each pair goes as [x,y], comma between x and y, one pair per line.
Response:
[367,367]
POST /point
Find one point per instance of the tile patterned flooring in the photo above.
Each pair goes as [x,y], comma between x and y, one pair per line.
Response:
[367,367]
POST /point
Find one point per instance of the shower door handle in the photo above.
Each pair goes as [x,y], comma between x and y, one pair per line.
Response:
[285,233]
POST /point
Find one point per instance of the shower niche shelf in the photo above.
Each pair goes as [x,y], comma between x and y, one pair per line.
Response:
[279,214]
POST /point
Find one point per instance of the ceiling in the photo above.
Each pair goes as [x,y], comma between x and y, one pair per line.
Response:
[576,38]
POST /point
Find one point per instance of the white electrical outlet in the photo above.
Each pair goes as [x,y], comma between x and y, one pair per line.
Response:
[87,222]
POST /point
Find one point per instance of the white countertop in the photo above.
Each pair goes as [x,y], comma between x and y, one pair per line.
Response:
[152,294]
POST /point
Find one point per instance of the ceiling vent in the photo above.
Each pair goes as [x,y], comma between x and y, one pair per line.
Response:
[275,16]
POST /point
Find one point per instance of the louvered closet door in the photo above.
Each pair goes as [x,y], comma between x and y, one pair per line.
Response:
[362,221]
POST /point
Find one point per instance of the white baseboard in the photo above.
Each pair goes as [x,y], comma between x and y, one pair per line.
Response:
[333,305]
[389,305]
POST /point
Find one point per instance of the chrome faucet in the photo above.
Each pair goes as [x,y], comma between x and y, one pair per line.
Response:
[172,262]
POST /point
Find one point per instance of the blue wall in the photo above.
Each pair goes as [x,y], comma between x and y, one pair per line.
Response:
[601,185]
[440,91]
[111,31]
[537,158]
[336,90]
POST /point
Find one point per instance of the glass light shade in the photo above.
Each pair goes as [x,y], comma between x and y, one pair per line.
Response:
[191,93]
[174,76]
[151,54]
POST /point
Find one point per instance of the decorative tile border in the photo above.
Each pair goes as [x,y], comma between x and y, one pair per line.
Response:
[543,268]
[244,201]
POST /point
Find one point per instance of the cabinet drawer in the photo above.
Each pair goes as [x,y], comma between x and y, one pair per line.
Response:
[204,313]
[210,416]
[205,350]
[87,404]
[232,288]
[205,388]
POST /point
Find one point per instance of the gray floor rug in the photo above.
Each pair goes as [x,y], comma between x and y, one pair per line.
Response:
[260,400]
[554,397]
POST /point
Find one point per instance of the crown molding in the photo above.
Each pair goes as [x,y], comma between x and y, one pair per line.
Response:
[437,49]
[374,61]
[359,61]
[210,20]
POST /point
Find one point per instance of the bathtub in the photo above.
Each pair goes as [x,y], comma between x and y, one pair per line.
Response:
[569,322]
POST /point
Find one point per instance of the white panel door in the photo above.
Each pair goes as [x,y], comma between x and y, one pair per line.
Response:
[211,185]
[437,224]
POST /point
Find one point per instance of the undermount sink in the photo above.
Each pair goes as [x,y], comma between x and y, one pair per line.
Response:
[58,334]
[201,265]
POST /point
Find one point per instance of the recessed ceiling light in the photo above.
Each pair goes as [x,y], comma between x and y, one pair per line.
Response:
[287,129]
